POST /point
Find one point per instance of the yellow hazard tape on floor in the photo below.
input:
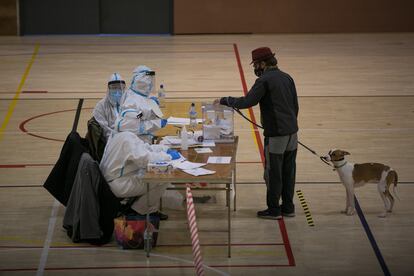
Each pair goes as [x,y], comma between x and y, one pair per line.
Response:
[19,90]
[305,207]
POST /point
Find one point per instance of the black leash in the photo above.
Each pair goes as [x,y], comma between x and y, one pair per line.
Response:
[306,147]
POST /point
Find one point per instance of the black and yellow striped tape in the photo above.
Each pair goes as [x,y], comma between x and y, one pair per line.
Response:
[305,207]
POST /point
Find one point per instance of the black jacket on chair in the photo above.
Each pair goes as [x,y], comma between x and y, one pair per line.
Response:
[92,207]
[60,180]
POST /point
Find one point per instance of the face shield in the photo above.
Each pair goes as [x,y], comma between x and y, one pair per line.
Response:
[143,81]
[116,88]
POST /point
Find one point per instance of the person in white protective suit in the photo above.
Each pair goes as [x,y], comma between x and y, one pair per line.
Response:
[140,112]
[107,109]
[124,164]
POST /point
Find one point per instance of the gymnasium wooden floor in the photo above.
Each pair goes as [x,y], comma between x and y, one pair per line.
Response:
[356,92]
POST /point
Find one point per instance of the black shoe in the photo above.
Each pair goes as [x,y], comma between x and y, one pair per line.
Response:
[160,215]
[289,215]
[269,214]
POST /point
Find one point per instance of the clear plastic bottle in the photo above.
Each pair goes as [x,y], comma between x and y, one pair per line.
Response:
[193,116]
[184,138]
[161,95]
[147,240]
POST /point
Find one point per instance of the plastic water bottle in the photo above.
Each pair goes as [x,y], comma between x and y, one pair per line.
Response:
[147,240]
[193,116]
[184,138]
[161,95]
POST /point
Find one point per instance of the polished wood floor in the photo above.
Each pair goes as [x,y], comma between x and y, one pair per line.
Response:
[356,92]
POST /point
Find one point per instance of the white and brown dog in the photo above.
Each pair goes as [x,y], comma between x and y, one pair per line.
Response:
[356,175]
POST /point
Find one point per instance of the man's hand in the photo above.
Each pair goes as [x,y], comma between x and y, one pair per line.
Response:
[216,101]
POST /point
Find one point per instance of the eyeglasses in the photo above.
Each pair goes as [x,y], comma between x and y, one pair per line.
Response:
[114,86]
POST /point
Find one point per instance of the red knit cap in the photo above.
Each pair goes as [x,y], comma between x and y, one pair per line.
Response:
[261,54]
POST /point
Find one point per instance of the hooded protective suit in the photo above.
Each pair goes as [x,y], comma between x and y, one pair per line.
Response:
[106,110]
[124,164]
[140,114]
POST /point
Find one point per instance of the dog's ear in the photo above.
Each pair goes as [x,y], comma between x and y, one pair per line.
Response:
[346,153]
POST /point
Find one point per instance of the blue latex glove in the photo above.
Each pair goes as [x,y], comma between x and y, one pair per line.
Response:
[173,153]
[155,99]
[163,122]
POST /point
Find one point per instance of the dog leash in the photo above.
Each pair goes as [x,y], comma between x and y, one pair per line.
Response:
[306,147]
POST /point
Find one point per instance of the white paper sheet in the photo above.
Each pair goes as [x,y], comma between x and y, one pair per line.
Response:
[207,143]
[219,159]
[199,171]
[187,165]
[175,141]
[181,121]
[203,150]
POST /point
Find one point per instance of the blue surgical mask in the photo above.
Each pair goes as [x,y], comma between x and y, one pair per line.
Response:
[115,96]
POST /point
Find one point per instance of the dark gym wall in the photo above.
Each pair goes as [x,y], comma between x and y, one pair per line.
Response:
[96,16]
[293,16]
[59,16]
[231,16]
[8,17]
[136,16]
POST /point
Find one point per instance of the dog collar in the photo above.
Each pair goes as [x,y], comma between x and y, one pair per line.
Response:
[337,167]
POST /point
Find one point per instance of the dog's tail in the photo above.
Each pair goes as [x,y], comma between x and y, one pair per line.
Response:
[393,178]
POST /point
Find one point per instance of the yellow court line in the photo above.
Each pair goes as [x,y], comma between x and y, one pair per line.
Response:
[252,130]
[305,207]
[19,90]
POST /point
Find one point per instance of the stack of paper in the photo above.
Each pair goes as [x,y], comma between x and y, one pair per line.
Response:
[199,171]
[187,165]
[208,143]
[203,150]
[219,159]
[181,121]
[174,141]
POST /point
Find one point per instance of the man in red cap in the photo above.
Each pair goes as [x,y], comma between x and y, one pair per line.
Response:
[275,93]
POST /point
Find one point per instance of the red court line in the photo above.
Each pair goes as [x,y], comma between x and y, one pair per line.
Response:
[104,92]
[160,245]
[19,166]
[119,44]
[45,53]
[251,113]
[12,166]
[22,124]
[282,226]
[143,266]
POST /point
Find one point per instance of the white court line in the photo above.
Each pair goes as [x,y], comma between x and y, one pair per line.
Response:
[131,252]
[48,240]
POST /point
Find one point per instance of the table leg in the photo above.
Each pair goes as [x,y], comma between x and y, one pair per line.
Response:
[228,219]
[234,187]
[147,240]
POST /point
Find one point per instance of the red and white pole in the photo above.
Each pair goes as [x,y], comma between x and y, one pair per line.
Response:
[191,216]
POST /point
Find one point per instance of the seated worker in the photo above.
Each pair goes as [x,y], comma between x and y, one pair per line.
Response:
[107,109]
[140,112]
[124,164]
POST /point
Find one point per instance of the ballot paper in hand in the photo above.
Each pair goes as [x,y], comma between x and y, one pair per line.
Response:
[219,159]
[199,171]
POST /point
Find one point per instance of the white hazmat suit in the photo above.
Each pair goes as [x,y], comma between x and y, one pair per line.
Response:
[123,165]
[140,114]
[107,109]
